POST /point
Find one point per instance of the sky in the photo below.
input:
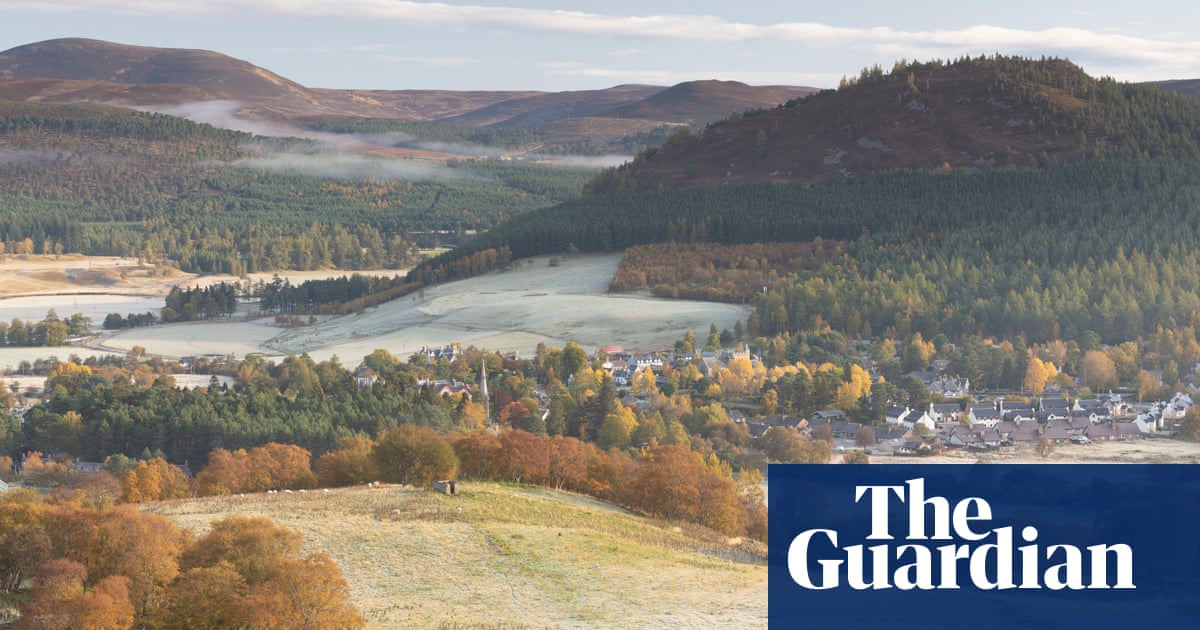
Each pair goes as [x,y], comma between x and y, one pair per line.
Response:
[589,44]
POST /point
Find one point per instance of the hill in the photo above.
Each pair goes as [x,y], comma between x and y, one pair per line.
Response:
[75,70]
[80,59]
[512,557]
[1186,87]
[972,114]
[698,102]
[959,246]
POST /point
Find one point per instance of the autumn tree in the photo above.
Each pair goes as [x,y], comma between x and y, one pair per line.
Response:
[24,542]
[1038,374]
[786,445]
[155,480]
[1044,447]
[864,436]
[665,483]
[617,429]
[252,555]
[856,387]
[477,454]
[254,546]
[674,483]
[512,414]
[349,465]
[855,457]
[303,593]
[227,472]
[141,548]
[1189,429]
[41,472]
[573,359]
[470,415]
[58,600]
[204,597]
[282,466]
[1099,371]
[523,458]
[414,455]
[567,463]
[750,492]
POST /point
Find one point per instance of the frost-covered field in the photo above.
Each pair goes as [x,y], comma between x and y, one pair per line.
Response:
[506,311]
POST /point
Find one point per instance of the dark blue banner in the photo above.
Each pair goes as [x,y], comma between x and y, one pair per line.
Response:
[984,546]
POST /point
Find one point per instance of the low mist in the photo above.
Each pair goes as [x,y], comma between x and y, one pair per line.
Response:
[352,166]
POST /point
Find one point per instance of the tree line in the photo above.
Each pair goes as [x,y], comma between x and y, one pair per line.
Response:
[50,331]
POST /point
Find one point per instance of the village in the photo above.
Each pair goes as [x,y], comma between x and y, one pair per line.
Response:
[958,418]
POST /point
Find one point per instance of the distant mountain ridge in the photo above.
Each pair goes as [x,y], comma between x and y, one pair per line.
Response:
[76,69]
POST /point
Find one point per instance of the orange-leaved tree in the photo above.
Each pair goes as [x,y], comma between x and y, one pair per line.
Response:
[155,480]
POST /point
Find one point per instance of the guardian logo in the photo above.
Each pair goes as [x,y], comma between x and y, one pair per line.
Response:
[984,546]
[914,562]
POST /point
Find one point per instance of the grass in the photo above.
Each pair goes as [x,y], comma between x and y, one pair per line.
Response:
[504,557]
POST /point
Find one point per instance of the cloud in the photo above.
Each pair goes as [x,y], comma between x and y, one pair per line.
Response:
[1120,50]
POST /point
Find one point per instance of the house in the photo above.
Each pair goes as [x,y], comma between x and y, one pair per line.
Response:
[983,413]
[920,419]
[1174,410]
[1056,434]
[950,387]
[941,385]
[1049,416]
[969,437]
[908,418]
[1056,404]
[827,415]
[1146,424]
[1101,433]
[1094,416]
[448,352]
[442,389]
[881,449]
[365,379]
[1027,434]
[1078,424]
[652,361]
[896,415]
[844,430]
[895,435]
[945,413]
[1127,431]
[1017,411]
[709,366]
[1006,429]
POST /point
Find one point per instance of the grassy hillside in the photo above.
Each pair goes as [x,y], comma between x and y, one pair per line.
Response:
[498,556]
